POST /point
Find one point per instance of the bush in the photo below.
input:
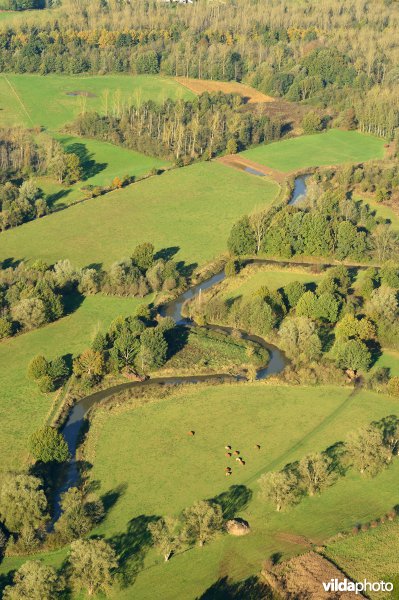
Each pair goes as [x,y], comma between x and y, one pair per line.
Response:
[48,445]
[393,387]
[38,367]
[46,384]
[232,268]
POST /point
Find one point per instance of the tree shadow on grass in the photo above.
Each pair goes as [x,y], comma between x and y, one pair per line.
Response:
[234,500]
[89,166]
[132,547]
[247,589]
[186,270]
[336,453]
[72,301]
[110,498]
[51,200]
[166,253]
[177,339]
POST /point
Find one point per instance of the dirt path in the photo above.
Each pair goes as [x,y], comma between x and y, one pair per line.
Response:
[199,86]
[239,162]
[14,91]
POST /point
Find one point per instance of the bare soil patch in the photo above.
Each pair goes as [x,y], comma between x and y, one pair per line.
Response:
[301,578]
[81,93]
[244,164]
[250,95]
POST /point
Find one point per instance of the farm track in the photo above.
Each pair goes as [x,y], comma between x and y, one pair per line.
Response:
[242,164]
[14,91]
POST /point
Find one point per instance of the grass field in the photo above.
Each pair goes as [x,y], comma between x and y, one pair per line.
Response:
[190,209]
[145,457]
[146,465]
[34,100]
[22,407]
[371,555]
[213,352]
[101,163]
[390,360]
[252,278]
[329,148]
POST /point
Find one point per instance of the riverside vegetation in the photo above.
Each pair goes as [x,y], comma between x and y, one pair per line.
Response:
[290,325]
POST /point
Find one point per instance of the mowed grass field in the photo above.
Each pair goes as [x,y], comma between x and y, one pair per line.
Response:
[22,407]
[191,210]
[145,458]
[36,100]
[330,148]
[371,555]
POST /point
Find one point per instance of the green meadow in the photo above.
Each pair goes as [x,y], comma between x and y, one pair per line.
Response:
[390,360]
[22,407]
[36,100]
[144,460]
[252,278]
[191,210]
[101,163]
[330,148]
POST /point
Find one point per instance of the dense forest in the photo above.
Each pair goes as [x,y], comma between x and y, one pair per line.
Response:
[183,130]
[343,54]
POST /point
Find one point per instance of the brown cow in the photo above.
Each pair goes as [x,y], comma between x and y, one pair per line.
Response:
[236,452]
[228,454]
[257,446]
[190,432]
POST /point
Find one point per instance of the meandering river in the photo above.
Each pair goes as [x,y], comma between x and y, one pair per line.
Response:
[73,425]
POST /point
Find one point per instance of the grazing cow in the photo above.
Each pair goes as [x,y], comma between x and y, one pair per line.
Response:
[236,452]
[227,447]
[257,446]
[190,432]
[228,473]
[228,469]
[228,454]
[238,459]
[242,462]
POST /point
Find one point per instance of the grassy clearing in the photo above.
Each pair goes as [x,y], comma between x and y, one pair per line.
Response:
[213,352]
[390,360]
[371,555]
[145,457]
[22,407]
[101,163]
[385,212]
[44,101]
[329,148]
[252,278]
[190,209]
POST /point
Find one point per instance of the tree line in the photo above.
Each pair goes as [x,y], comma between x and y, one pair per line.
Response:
[368,450]
[32,295]
[181,130]
[21,159]
[345,58]
[329,223]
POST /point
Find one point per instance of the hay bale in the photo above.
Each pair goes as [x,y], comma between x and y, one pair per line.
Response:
[238,527]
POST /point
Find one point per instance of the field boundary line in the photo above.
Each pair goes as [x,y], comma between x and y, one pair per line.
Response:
[14,91]
[316,429]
